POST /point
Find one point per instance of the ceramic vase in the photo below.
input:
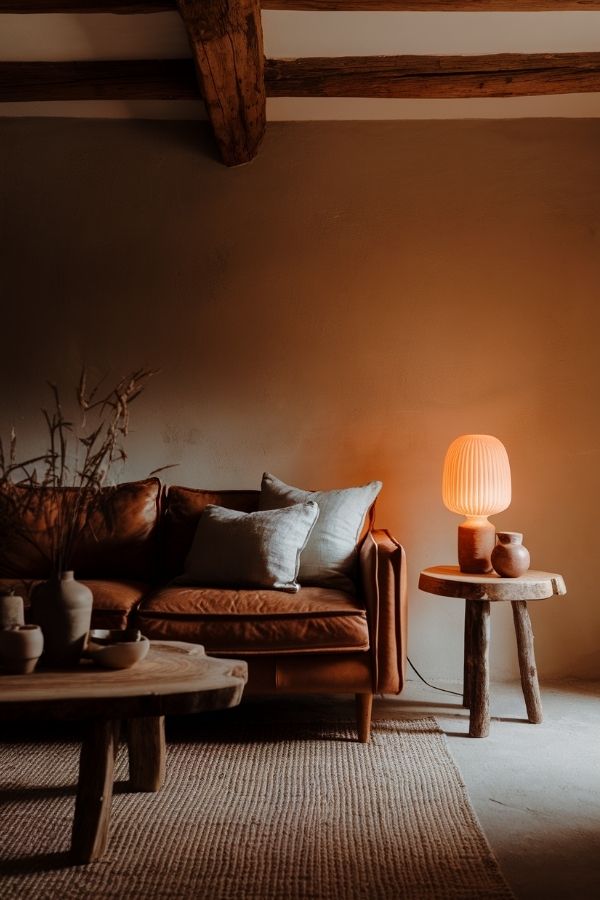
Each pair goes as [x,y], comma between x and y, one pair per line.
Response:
[63,609]
[20,648]
[509,557]
[12,611]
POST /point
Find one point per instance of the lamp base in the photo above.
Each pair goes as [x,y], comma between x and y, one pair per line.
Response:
[476,540]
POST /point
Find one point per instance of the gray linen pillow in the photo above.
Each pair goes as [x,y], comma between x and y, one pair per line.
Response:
[258,549]
[329,558]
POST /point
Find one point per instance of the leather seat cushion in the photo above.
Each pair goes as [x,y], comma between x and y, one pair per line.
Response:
[113,600]
[315,620]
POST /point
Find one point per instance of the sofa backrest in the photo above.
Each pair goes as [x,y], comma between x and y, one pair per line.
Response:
[143,533]
[181,509]
[120,542]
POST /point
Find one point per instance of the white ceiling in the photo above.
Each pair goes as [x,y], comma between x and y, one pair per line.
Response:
[288,34]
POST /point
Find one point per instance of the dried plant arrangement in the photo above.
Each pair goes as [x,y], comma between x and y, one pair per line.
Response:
[58,491]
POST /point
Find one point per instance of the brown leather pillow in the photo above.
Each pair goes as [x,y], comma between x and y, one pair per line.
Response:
[119,542]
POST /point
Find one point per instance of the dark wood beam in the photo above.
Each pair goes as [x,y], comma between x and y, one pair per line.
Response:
[497,75]
[227,44]
[433,5]
[151,6]
[86,6]
[503,75]
[139,79]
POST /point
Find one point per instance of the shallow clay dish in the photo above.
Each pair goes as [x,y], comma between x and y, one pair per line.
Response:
[116,653]
[114,635]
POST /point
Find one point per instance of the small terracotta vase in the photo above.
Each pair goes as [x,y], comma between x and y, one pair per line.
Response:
[12,611]
[509,557]
[63,609]
[20,648]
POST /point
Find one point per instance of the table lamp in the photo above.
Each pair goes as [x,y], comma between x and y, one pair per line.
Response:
[476,483]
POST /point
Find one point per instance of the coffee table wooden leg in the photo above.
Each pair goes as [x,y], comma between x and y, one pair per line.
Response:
[147,753]
[479,723]
[468,660]
[529,678]
[94,791]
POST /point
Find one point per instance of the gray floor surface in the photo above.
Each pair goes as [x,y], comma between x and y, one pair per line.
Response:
[535,788]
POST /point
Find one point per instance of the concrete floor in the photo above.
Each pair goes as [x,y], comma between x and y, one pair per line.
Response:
[535,788]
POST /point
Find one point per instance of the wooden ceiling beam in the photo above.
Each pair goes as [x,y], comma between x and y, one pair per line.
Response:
[227,45]
[115,79]
[433,5]
[152,6]
[87,6]
[440,77]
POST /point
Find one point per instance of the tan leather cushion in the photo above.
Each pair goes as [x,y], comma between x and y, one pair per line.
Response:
[113,600]
[181,510]
[315,620]
[121,541]
[124,540]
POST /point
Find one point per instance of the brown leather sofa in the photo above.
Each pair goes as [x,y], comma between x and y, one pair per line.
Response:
[318,640]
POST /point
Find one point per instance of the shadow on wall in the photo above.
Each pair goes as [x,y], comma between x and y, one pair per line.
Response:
[195,137]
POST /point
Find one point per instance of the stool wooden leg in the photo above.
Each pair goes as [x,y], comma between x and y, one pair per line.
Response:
[468,660]
[364,706]
[529,678]
[147,752]
[94,792]
[479,723]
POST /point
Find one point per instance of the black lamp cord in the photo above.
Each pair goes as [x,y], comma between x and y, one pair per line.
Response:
[445,690]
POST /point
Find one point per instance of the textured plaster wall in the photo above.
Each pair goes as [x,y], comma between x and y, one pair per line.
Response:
[337,311]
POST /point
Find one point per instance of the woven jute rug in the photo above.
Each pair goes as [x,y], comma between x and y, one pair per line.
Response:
[278,813]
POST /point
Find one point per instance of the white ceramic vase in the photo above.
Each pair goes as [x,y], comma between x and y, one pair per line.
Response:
[63,609]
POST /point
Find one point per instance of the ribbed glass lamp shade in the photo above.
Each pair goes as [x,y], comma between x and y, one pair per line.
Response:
[476,480]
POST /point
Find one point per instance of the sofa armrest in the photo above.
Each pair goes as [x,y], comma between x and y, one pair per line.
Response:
[383,574]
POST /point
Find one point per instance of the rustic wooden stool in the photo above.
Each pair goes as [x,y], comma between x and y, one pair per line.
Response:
[478,591]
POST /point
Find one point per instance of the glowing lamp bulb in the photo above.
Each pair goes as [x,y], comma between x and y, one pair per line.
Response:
[476,483]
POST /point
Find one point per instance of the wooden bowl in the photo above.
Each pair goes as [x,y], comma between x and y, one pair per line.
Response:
[116,654]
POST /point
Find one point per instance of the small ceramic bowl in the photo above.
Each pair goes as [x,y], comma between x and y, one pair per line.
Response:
[117,649]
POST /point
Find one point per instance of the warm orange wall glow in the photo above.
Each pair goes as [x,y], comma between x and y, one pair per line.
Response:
[337,311]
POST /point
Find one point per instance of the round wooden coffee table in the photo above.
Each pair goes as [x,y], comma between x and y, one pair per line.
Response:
[174,678]
[478,591]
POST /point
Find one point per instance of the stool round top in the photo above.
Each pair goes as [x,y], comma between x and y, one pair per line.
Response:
[449,581]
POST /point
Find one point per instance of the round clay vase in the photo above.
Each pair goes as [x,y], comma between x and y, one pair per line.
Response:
[63,609]
[20,648]
[509,557]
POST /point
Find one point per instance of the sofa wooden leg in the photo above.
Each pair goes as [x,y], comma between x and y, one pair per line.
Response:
[364,706]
